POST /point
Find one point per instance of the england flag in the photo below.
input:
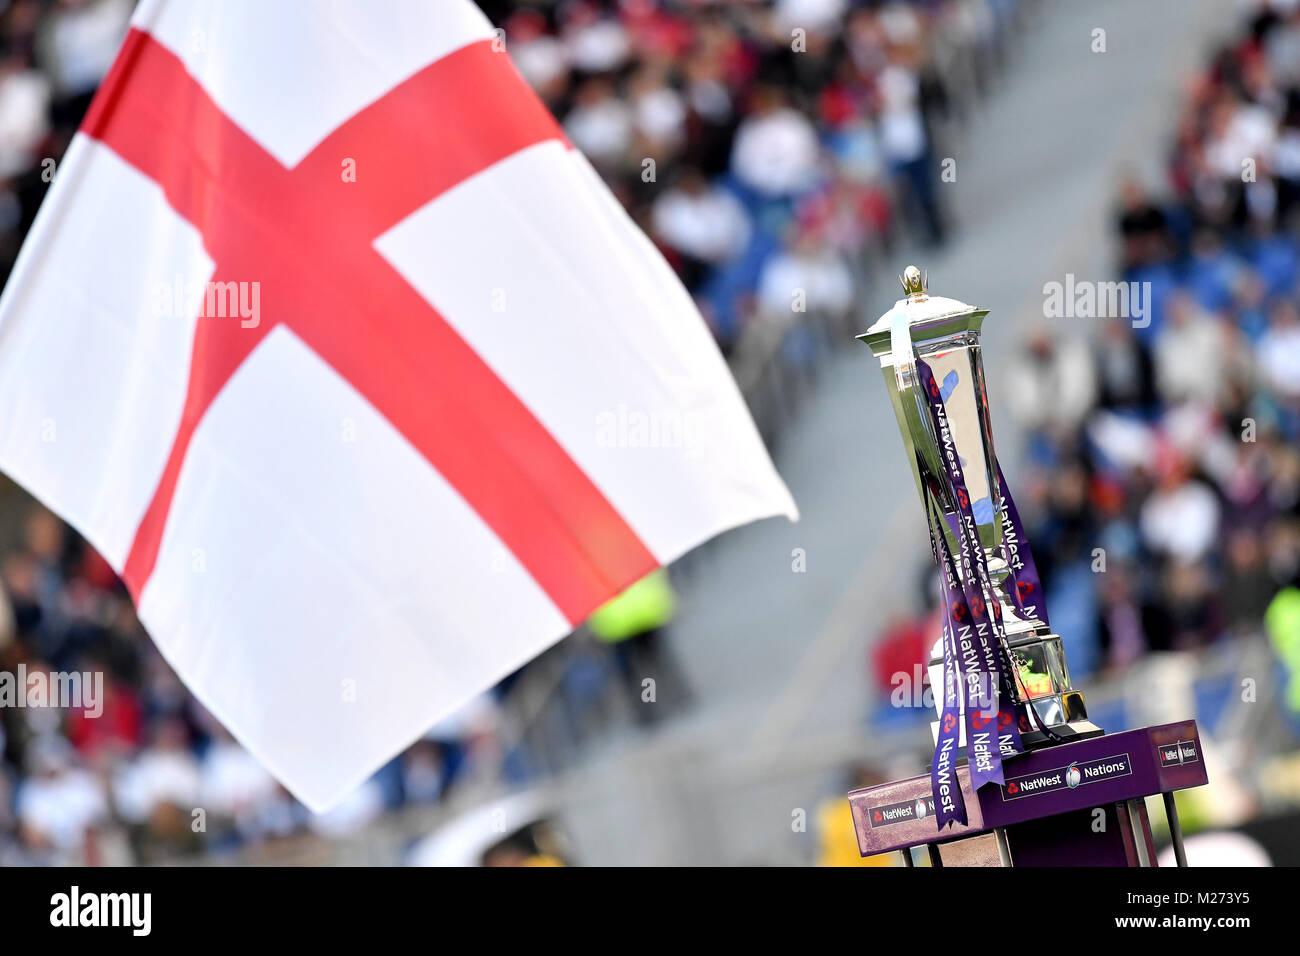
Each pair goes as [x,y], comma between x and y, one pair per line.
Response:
[355,372]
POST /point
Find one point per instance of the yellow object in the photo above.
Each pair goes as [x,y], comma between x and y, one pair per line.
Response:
[1282,622]
[644,606]
[837,841]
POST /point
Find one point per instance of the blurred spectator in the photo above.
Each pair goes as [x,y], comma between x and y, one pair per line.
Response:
[1190,354]
[233,785]
[634,624]
[906,140]
[24,112]
[776,152]
[809,277]
[600,125]
[423,772]
[76,45]
[167,772]
[1142,226]
[57,803]
[706,225]
[1053,384]
[1278,351]
[1180,517]
[1126,377]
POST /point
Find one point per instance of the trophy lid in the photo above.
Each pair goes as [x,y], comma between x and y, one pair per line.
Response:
[928,316]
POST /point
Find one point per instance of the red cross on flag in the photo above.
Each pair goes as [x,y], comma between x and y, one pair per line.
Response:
[352,368]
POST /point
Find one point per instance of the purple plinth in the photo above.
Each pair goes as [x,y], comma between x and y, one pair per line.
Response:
[1055,781]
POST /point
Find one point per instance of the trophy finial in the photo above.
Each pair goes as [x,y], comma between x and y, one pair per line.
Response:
[914,281]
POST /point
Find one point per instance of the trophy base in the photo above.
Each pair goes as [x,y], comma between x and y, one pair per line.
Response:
[1066,715]
[1037,739]
[1065,734]
[1047,810]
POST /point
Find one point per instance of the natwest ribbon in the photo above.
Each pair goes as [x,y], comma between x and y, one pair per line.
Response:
[949,804]
[991,717]
[1026,587]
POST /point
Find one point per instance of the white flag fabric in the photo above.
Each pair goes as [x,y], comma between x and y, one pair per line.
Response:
[349,364]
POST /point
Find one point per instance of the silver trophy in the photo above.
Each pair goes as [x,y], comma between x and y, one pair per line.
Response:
[945,333]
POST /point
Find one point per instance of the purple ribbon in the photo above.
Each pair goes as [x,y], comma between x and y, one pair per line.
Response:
[991,717]
[1026,588]
[949,804]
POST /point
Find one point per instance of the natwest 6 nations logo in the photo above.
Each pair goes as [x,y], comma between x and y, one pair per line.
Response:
[1075,775]
[1178,753]
[903,812]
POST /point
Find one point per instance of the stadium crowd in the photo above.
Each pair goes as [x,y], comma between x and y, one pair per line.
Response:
[1166,452]
[764,146]
[1160,479]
